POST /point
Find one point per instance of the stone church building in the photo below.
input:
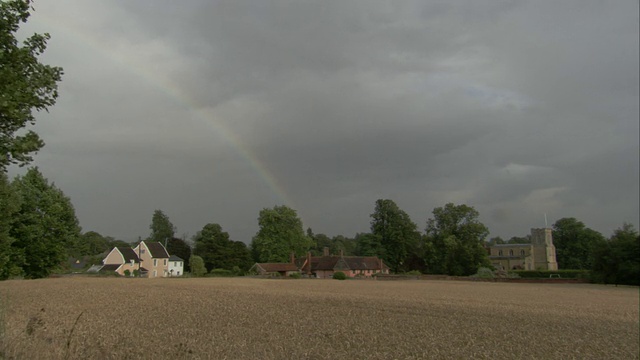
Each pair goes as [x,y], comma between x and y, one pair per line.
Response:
[539,255]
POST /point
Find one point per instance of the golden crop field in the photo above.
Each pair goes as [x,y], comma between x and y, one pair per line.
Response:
[244,318]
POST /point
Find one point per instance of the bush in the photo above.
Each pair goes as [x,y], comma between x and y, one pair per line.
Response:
[127,273]
[339,275]
[484,273]
[197,266]
[414,272]
[221,273]
[545,274]
[295,275]
[136,272]
[237,271]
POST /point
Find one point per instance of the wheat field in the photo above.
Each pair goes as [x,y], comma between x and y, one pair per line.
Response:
[245,318]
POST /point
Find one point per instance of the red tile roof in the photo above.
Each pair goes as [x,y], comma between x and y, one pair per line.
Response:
[277,267]
[343,263]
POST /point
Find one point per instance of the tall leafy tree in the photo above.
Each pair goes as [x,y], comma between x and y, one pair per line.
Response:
[45,226]
[574,243]
[455,239]
[161,227]
[181,249]
[90,243]
[398,235]
[9,206]
[218,251]
[368,244]
[25,85]
[280,233]
[617,261]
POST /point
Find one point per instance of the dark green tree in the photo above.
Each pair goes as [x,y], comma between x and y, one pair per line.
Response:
[368,244]
[617,261]
[25,85]
[280,233]
[455,239]
[45,226]
[161,227]
[9,206]
[218,251]
[181,249]
[574,243]
[520,240]
[495,241]
[343,244]
[89,244]
[398,235]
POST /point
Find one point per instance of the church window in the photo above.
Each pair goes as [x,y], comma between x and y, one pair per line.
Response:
[499,252]
[510,252]
[522,252]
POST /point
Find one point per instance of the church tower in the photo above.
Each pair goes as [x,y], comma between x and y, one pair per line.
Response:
[544,253]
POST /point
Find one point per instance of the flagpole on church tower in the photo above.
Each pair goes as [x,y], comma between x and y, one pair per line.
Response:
[545,221]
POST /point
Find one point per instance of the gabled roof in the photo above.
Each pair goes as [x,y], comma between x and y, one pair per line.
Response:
[343,263]
[110,267]
[276,267]
[128,254]
[174,258]
[156,250]
[364,263]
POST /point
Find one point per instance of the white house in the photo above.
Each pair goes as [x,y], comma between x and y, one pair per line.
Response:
[176,266]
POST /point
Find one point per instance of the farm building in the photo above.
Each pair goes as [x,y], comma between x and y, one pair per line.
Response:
[284,269]
[154,257]
[151,259]
[121,259]
[353,266]
[176,266]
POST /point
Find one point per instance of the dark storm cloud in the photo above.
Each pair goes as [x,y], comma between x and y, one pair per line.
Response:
[516,108]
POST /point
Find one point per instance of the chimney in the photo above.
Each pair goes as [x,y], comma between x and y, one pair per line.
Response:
[341,253]
[309,263]
[380,265]
[326,251]
[293,257]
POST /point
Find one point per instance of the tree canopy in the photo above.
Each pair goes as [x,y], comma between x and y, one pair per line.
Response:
[455,239]
[574,243]
[25,85]
[45,225]
[218,251]
[181,249]
[280,233]
[617,261]
[398,235]
[161,227]
[9,206]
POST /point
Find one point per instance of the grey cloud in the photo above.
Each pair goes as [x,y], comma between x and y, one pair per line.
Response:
[516,108]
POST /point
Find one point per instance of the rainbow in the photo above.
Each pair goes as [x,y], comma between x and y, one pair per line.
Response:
[173,91]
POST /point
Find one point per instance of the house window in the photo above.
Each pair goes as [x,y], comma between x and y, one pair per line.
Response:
[155,263]
[155,273]
[499,252]
[142,251]
[132,261]
[510,252]
[165,262]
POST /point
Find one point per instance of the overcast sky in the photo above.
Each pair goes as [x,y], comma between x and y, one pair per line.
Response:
[212,111]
